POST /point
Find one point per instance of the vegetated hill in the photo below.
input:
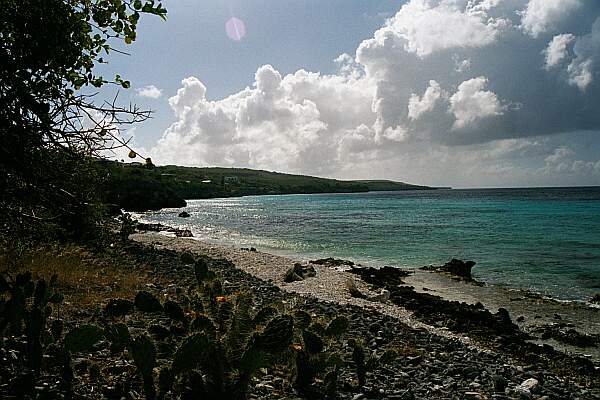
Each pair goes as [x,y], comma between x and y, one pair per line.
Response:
[137,187]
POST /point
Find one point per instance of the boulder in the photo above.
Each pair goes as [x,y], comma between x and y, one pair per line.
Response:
[528,387]
[299,272]
[332,262]
[459,268]
[354,292]
[183,233]
[382,297]
[595,299]
[184,214]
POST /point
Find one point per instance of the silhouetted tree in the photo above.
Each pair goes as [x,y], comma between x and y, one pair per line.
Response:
[49,129]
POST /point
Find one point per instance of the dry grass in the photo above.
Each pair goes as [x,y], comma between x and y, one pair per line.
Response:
[85,280]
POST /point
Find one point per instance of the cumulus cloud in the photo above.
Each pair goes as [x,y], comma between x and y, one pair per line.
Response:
[149,91]
[442,85]
[557,51]
[471,102]
[542,16]
[417,105]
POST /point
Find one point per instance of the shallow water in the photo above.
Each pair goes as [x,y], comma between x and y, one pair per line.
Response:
[546,240]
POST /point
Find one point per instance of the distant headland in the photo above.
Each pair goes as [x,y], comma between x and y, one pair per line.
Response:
[138,187]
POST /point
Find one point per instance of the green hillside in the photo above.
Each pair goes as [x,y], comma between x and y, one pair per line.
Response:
[137,187]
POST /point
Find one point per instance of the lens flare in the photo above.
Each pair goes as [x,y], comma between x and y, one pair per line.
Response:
[235,28]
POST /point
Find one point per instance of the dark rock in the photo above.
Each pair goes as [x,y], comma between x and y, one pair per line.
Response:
[299,272]
[459,268]
[354,292]
[118,307]
[184,214]
[292,276]
[595,299]
[143,227]
[332,262]
[253,249]
[183,233]
[147,302]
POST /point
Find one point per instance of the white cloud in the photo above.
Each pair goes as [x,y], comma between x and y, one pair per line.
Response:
[471,102]
[427,26]
[580,73]
[562,161]
[417,105]
[149,91]
[542,16]
[557,52]
[446,92]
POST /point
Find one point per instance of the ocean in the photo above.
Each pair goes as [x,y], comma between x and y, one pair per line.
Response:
[542,239]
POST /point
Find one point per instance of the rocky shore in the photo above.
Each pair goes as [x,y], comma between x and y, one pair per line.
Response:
[450,349]
[378,337]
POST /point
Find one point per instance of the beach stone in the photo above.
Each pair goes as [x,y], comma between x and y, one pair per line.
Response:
[595,299]
[354,292]
[382,297]
[527,387]
[184,214]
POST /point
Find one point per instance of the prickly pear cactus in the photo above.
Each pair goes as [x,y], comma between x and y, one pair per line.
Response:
[358,356]
[83,338]
[337,327]
[118,336]
[174,311]
[302,319]
[193,350]
[118,307]
[147,302]
[277,335]
[312,342]
[201,270]
[143,352]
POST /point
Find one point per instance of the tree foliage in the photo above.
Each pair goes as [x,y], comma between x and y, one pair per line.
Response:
[49,129]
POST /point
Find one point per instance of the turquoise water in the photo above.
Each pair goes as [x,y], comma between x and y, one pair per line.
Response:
[547,240]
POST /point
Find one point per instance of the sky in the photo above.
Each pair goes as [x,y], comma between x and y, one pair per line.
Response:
[461,93]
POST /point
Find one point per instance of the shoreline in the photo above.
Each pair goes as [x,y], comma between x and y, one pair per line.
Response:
[306,256]
[533,314]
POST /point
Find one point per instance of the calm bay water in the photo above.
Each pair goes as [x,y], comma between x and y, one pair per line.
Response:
[547,240]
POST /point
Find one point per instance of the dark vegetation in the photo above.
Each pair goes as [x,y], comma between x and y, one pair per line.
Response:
[205,339]
[140,187]
[49,127]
